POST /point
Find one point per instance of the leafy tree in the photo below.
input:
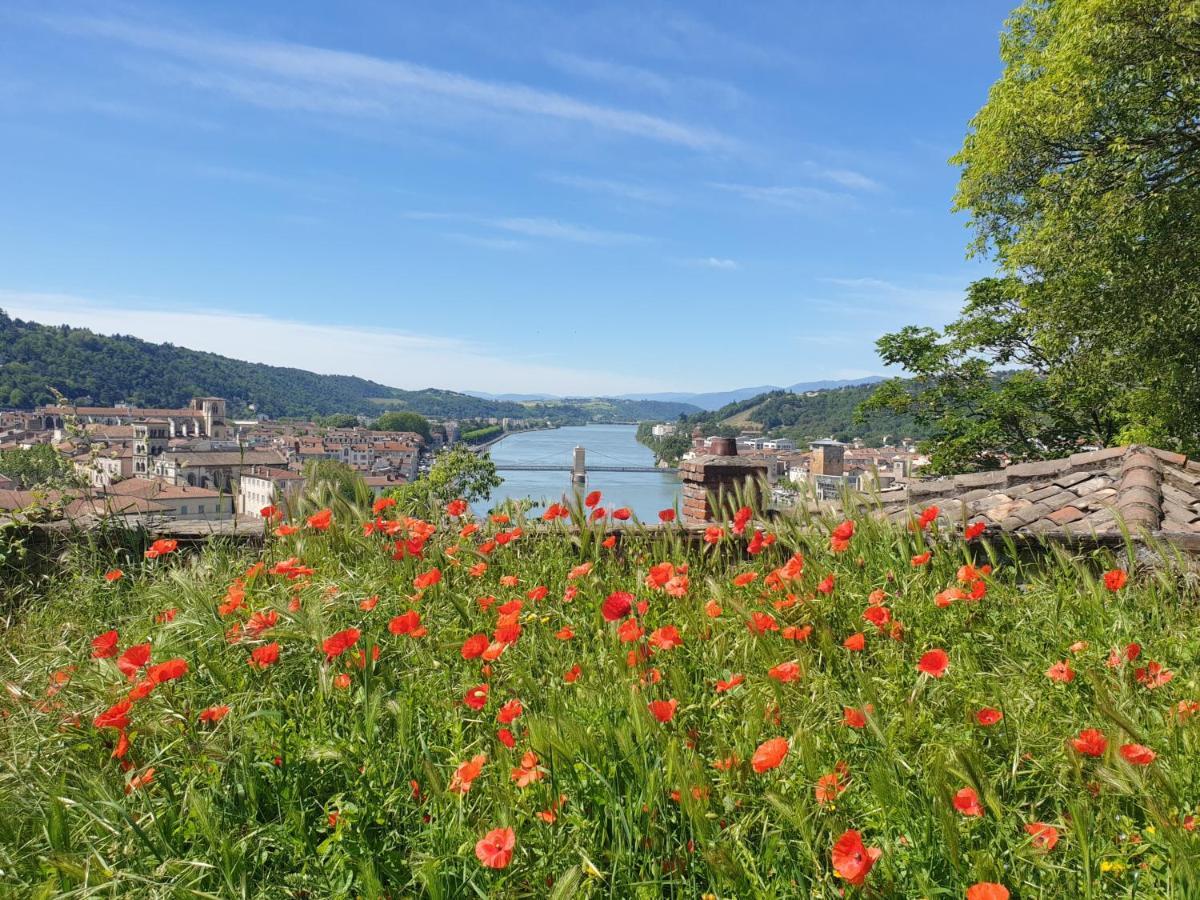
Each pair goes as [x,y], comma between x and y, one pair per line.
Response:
[37,466]
[1081,176]
[337,420]
[402,421]
[457,472]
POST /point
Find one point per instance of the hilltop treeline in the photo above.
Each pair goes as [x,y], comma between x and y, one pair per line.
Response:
[36,361]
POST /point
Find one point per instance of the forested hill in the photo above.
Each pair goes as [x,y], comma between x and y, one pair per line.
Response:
[812,415]
[100,370]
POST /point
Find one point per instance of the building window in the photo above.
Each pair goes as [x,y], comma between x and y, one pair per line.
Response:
[183,510]
[201,509]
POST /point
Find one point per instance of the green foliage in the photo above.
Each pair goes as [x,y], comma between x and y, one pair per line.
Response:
[306,788]
[335,477]
[402,421]
[479,435]
[811,416]
[336,420]
[1082,176]
[667,449]
[458,472]
[37,466]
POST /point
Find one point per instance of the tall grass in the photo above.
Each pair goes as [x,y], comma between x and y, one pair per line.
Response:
[308,789]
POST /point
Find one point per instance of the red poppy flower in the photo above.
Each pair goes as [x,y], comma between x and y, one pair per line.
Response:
[974,530]
[116,716]
[770,754]
[572,674]
[665,638]
[663,710]
[456,508]
[928,515]
[987,890]
[760,623]
[785,672]
[966,801]
[826,585]
[320,521]
[855,642]
[104,646]
[1090,742]
[1061,671]
[214,714]
[1115,579]
[269,512]
[509,711]
[934,663]
[161,547]
[740,519]
[592,499]
[495,849]
[987,717]
[407,623]
[734,680]
[337,644]
[856,718]
[920,559]
[466,773]
[616,606]
[851,860]
[132,660]
[1137,754]
[476,697]
[713,534]
[167,671]
[666,515]
[427,579]
[266,655]
[1153,675]
[609,542]
[1044,836]
[113,575]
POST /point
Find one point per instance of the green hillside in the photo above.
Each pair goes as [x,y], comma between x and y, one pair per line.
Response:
[93,369]
[812,415]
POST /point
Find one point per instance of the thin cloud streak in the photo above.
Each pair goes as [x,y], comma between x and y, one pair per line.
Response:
[347,75]
[536,227]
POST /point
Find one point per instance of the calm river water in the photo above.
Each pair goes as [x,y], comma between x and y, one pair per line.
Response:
[612,445]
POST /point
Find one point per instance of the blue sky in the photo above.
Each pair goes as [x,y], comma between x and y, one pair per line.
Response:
[559,197]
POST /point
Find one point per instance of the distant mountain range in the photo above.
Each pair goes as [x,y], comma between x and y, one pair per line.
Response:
[709,401]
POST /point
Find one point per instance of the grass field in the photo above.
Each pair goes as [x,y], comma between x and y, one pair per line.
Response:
[662,716]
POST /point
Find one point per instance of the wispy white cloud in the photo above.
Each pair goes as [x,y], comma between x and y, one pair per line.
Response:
[536,227]
[847,178]
[637,79]
[318,79]
[396,358]
[796,198]
[893,297]
[712,262]
[617,188]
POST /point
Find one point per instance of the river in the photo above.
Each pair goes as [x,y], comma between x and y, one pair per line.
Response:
[613,445]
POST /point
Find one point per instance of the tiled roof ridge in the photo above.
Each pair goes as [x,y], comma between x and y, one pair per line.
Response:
[1020,473]
[1139,491]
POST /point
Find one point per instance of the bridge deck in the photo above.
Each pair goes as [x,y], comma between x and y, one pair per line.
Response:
[518,467]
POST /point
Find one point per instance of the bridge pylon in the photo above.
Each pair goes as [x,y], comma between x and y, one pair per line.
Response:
[579,467]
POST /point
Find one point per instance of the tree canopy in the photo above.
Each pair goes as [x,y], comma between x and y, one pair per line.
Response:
[1081,178]
[402,421]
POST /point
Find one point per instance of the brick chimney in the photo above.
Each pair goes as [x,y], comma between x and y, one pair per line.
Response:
[717,474]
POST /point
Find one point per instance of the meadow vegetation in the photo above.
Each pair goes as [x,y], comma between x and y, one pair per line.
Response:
[375,705]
